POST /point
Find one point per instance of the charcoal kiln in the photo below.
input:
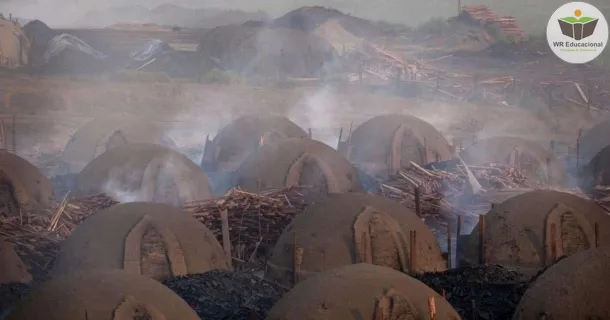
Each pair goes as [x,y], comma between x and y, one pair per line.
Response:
[596,175]
[151,239]
[269,52]
[102,134]
[361,291]
[592,141]
[540,165]
[351,228]
[235,142]
[298,162]
[533,230]
[103,294]
[384,144]
[12,268]
[144,172]
[574,288]
[23,187]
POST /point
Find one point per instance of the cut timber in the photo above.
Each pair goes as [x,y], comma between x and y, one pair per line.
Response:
[472,180]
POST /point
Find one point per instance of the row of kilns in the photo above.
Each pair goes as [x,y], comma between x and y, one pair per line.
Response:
[321,250]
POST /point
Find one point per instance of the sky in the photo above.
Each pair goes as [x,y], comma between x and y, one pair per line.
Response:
[62,13]
[531,14]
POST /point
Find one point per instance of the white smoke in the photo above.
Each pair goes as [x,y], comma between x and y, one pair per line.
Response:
[114,189]
[319,112]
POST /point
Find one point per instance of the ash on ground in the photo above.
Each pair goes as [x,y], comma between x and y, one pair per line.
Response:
[222,295]
[10,294]
[495,290]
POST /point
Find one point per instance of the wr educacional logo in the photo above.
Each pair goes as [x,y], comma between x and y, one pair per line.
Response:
[577,32]
[577,27]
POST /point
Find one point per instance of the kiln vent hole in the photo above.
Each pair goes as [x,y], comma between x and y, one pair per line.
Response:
[384,249]
[395,306]
[312,175]
[377,240]
[154,261]
[117,139]
[573,237]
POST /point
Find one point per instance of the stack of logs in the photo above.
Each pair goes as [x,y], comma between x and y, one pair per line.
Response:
[446,194]
[253,222]
[37,235]
[506,25]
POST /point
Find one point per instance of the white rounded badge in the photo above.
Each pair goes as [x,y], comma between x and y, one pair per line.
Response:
[577,32]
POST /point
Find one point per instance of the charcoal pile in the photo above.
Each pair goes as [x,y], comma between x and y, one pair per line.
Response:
[447,192]
[256,221]
[37,235]
[10,294]
[480,292]
[224,295]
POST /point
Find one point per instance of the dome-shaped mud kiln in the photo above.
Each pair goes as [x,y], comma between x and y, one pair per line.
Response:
[107,294]
[540,165]
[361,291]
[533,230]
[384,144]
[298,161]
[152,239]
[235,142]
[11,266]
[102,134]
[574,288]
[22,185]
[144,172]
[351,228]
[597,172]
[593,141]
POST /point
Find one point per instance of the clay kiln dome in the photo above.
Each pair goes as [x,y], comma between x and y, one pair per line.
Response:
[235,142]
[152,239]
[519,231]
[357,292]
[298,161]
[343,228]
[103,294]
[264,51]
[11,266]
[593,141]
[144,172]
[525,154]
[574,288]
[22,185]
[104,133]
[597,172]
[385,143]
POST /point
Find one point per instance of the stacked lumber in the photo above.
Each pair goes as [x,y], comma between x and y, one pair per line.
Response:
[505,24]
[37,235]
[446,194]
[255,221]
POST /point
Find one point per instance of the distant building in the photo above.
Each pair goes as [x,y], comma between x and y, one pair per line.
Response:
[14,45]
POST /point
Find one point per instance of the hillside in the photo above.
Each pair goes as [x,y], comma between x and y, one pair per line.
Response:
[168,15]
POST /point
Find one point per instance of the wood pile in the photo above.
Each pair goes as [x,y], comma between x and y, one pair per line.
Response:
[37,235]
[255,221]
[446,194]
[506,25]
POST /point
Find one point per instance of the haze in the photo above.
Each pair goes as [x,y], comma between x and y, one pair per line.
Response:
[70,13]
